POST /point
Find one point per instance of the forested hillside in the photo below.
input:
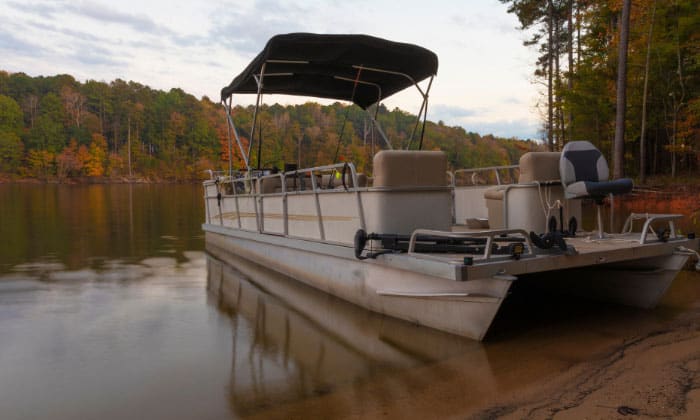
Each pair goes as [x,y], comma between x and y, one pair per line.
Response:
[578,43]
[57,128]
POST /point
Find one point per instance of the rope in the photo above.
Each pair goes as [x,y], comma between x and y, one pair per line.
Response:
[545,200]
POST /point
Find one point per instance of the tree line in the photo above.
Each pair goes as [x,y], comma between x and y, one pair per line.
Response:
[578,43]
[59,129]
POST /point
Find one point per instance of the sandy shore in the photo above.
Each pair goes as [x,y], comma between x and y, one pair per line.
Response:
[652,376]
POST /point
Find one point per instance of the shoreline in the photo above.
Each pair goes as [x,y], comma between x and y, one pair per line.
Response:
[658,187]
[95,181]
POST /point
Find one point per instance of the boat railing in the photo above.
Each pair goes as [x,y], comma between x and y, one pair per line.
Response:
[664,234]
[490,175]
[468,185]
[262,185]
[214,175]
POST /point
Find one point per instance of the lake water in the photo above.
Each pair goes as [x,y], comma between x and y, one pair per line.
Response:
[107,311]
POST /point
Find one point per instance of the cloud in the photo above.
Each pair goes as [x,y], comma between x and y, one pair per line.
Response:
[512,100]
[95,56]
[10,43]
[523,129]
[478,121]
[80,35]
[99,13]
[449,112]
[106,14]
[45,10]
[196,45]
[247,31]
[80,47]
[461,20]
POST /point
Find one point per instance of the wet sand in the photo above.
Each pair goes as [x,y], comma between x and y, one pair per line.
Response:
[605,363]
[650,376]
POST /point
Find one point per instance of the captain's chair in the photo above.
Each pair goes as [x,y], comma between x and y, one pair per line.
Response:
[584,174]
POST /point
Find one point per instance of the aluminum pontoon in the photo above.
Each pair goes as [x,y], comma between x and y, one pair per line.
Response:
[411,241]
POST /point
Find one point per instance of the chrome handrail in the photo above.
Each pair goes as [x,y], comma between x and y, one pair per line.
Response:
[253,188]
[475,171]
[648,219]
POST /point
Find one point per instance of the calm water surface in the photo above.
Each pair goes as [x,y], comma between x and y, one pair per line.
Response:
[109,308]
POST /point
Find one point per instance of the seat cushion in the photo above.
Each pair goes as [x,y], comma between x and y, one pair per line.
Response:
[598,189]
[495,193]
[403,168]
[539,166]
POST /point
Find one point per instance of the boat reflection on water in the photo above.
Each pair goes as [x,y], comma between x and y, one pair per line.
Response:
[299,342]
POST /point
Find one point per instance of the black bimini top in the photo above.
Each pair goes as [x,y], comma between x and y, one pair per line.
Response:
[357,68]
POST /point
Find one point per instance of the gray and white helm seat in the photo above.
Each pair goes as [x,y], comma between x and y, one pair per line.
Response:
[584,173]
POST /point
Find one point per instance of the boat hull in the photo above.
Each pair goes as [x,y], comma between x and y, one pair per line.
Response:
[639,283]
[401,286]
[463,308]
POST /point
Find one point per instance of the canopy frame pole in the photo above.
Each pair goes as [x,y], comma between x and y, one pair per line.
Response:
[259,81]
[379,99]
[232,128]
[380,131]
[415,126]
[377,126]
[397,73]
[424,111]
[422,131]
[230,145]
[424,106]
[425,114]
[347,111]
[361,82]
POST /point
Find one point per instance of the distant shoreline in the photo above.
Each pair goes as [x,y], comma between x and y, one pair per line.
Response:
[95,181]
[663,184]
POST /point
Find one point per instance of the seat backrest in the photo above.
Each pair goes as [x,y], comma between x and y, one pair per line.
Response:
[404,168]
[582,161]
[539,166]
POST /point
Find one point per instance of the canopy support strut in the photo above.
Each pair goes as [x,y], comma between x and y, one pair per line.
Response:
[232,128]
[259,81]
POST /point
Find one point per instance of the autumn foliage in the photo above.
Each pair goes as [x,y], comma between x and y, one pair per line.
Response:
[577,66]
[56,128]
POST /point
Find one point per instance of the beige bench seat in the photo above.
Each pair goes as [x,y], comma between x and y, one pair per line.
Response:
[408,168]
[523,205]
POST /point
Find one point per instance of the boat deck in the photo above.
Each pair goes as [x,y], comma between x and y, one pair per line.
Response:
[584,250]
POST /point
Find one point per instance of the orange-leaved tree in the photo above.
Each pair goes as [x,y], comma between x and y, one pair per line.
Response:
[97,154]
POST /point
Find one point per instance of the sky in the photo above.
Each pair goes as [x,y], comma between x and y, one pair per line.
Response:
[484,80]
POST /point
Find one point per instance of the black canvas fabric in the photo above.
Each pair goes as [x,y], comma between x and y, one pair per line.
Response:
[329,56]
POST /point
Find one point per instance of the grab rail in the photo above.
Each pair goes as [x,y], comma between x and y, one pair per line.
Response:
[649,218]
[495,170]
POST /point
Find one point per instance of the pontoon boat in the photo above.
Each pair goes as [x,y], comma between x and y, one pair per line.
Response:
[411,241]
